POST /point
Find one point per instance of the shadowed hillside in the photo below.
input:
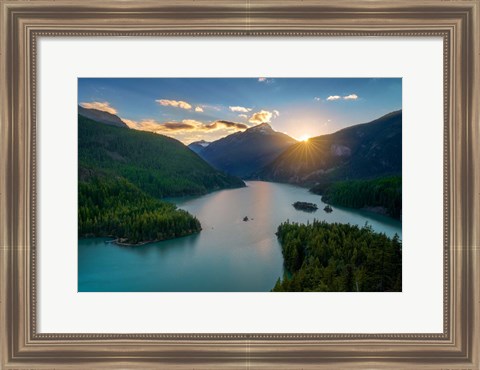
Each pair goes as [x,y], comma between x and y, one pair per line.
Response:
[244,153]
[363,151]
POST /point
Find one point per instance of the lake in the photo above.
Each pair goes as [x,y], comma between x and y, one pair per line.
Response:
[228,255]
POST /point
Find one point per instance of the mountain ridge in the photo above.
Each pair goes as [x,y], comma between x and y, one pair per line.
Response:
[159,165]
[365,150]
[102,117]
[244,153]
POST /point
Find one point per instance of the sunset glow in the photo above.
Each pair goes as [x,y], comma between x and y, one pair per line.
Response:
[193,109]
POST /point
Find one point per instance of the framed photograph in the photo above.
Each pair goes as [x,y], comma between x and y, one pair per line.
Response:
[240,184]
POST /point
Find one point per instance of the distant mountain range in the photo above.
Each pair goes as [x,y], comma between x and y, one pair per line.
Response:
[198,146]
[102,117]
[244,153]
[362,151]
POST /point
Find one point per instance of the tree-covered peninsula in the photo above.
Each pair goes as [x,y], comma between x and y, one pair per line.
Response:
[114,207]
[322,257]
[382,194]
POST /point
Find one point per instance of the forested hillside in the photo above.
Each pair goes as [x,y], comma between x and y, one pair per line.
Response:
[159,165]
[123,174]
[324,257]
[384,192]
[114,207]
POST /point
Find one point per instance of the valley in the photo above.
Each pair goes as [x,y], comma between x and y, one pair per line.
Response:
[319,211]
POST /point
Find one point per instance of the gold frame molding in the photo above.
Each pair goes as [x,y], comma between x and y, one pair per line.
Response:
[22,22]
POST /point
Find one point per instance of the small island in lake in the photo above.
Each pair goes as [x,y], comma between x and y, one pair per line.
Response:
[328,209]
[305,206]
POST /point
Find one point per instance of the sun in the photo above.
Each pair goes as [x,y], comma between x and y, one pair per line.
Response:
[304,138]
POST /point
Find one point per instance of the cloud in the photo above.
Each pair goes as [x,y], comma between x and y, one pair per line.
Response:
[276,113]
[338,97]
[266,80]
[174,103]
[103,106]
[244,116]
[188,130]
[226,124]
[175,126]
[317,98]
[144,125]
[185,125]
[159,127]
[198,109]
[261,117]
[240,109]
[214,107]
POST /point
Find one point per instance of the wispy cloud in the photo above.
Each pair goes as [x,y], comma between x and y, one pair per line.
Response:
[184,125]
[317,98]
[226,124]
[198,109]
[213,107]
[174,103]
[240,109]
[338,97]
[263,116]
[244,116]
[266,80]
[103,106]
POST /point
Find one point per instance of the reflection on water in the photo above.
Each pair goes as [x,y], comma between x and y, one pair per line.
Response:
[228,255]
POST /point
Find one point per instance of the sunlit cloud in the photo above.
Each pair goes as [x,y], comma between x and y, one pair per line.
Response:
[226,124]
[177,126]
[174,103]
[244,116]
[198,109]
[240,109]
[261,117]
[184,125]
[103,106]
[338,97]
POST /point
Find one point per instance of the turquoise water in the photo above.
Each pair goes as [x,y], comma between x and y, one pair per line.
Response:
[228,255]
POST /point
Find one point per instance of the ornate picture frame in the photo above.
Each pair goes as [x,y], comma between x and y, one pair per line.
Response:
[24,22]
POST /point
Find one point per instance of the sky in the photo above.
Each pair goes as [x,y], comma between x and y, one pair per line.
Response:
[192,109]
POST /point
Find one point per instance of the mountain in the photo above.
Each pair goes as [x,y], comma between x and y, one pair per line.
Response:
[244,153]
[362,151]
[158,165]
[102,117]
[198,146]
